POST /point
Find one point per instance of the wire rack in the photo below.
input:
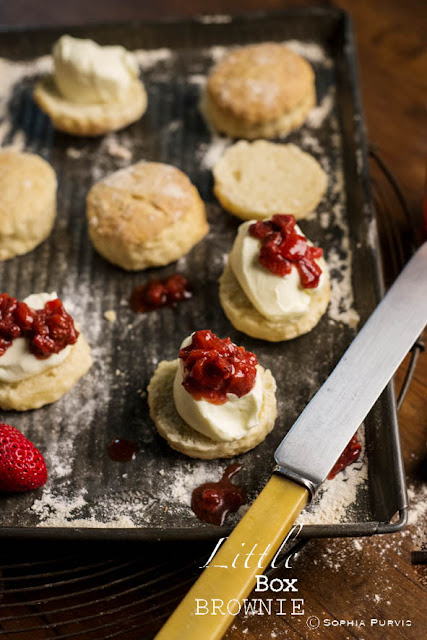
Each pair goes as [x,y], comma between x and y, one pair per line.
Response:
[90,591]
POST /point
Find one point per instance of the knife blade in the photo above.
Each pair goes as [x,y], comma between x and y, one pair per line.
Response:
[306,455]
[320,434]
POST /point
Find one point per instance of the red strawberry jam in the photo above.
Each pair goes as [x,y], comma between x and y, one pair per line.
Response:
[349,455]
[156,294]
[48,330]
[212,501]
[282,247]
[214,367]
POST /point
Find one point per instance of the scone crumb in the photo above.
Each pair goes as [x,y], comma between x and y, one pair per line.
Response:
[117,150]
[110,315]
[74,153]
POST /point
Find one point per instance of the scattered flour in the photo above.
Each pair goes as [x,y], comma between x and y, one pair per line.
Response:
[318,114]
[149,58]
[116,149]
[214,19]
[417,505]
[11,73]
[310,50]
[211,153]
[334,502]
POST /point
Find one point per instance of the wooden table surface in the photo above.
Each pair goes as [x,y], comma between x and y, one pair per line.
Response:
[341,579]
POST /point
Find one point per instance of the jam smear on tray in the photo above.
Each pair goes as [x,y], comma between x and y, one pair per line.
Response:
[349,455]
[49,330]
[214,367]
[212,501]
[282,247]
[122,450]
[156,294]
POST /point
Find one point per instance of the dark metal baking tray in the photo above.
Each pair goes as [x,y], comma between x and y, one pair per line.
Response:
[110,401]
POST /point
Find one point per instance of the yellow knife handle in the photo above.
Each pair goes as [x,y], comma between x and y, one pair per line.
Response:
[227,578]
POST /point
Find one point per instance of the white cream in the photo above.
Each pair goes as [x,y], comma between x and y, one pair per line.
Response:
[219,422]
[88,73]
[275,297]
[18,363]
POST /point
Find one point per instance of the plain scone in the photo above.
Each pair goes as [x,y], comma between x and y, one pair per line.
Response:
[27,202]
[146,215]
[246,318]
[255,180]
[183,438]
[49,386]
[259,91]
[90,119]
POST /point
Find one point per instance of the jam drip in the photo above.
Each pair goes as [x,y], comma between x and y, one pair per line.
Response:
[282,247]
[349,455]
[214,367]
[122,450]
[212,501]
[48,330]
[156,294]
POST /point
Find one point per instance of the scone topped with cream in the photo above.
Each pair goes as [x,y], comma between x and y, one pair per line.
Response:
[275,285]
[94,89]
[214,401]
[259,91]
[42,354]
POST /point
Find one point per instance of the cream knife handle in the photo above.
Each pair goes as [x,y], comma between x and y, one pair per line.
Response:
[265,525]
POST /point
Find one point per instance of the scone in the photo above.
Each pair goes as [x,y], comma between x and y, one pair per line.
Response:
[146,215]
[214,401]
[93,89]
[259,91]
[255,180]
[27,202]
[275,285]
[42,355]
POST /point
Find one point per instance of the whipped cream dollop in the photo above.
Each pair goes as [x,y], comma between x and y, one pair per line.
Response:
[275,297]
[219,422]
[18,363]
[86,72]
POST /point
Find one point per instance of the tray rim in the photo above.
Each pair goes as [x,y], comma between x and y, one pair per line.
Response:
[353,529]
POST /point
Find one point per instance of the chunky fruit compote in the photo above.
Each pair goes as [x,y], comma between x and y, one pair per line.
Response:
[349,455]
[212,501]
[282,247]
[156,294]
[48,330]
[214,368]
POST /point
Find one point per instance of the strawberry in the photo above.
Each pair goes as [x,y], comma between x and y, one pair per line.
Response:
[22,466]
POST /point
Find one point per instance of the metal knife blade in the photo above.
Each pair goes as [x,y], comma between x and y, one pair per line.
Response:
[322,431]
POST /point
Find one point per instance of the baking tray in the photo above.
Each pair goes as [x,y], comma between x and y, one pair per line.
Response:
[89,496]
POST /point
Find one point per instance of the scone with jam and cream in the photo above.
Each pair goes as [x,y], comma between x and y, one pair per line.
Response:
[214,401]
[42,354]
[275,285]
[93,89]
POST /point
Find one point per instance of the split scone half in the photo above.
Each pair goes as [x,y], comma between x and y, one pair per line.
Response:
[27,202]
[93,89]
[148,214]
[46,357]
[259,91]
[275,285]
[202,411]
[255,180]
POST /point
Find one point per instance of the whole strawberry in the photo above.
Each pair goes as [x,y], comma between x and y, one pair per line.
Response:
[22,466]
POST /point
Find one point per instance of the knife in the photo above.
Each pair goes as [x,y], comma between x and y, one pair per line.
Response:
[305,457]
